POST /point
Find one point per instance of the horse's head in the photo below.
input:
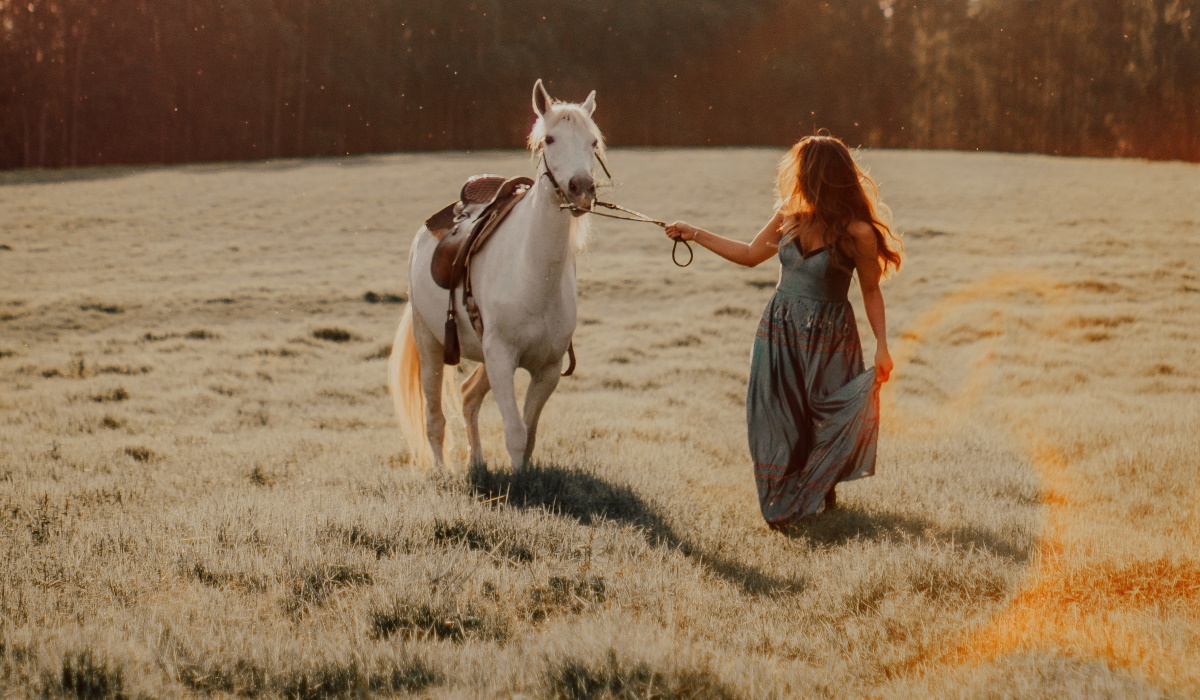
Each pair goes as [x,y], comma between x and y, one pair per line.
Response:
[567,140]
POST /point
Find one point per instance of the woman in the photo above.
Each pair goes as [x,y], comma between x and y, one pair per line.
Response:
[813,412]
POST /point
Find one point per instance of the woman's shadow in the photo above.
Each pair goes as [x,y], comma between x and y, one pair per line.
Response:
[589,499]
[579,494]
[846,524]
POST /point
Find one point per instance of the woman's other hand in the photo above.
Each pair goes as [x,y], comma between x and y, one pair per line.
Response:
[883,364]
[681,231]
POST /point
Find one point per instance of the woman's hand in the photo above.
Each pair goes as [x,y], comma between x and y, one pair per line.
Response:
[681,231]
[883,364]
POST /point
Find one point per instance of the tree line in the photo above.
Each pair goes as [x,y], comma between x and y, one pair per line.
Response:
[87,82]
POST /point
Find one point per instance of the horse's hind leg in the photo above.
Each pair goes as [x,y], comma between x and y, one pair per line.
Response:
[542,384]
[473,390]
[430,352]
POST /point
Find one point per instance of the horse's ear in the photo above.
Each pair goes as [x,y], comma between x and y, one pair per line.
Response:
[589,105]
[541,98]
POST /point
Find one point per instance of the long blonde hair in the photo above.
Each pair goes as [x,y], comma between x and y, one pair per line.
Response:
[819,182]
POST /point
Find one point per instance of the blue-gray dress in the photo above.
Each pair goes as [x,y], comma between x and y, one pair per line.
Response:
[812,412]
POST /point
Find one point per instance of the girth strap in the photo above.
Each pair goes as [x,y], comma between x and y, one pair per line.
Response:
[570,360]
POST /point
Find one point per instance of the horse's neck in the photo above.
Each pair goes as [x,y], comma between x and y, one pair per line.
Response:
[548,252]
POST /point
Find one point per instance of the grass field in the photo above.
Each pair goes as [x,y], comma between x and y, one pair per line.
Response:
[203,492]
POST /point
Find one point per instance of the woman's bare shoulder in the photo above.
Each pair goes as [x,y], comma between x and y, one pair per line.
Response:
[861,230]
[793,223]
[863,234]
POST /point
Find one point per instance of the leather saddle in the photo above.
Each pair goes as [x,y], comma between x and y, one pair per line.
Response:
[461,230]
[463,227]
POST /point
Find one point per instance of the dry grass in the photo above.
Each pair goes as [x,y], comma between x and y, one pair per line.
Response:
[203,492]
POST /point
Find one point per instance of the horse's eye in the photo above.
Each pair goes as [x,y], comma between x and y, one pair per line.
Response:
[595,143]
[549,140]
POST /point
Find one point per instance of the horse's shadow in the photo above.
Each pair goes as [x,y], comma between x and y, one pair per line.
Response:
[576,493]
[579,494]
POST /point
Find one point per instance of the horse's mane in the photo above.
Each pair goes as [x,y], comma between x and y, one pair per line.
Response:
[559,112]
[572,114]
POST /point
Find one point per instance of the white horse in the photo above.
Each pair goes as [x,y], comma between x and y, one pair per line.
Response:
[524,285]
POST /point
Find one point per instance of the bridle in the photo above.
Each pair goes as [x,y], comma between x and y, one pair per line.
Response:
[564,203]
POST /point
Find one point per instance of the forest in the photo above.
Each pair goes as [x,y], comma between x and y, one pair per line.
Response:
[95,82]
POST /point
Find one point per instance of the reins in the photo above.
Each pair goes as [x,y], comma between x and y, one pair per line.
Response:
[641,218]
[635,216]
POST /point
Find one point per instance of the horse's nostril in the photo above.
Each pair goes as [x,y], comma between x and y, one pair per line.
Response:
[580,185]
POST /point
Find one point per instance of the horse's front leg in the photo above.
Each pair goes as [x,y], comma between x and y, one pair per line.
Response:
[500,369]
[541,385]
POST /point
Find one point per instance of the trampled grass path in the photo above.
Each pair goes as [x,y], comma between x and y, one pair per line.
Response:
[1064,604]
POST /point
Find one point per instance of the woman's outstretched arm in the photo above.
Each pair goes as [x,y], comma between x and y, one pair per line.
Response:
[764,245]
[869,272]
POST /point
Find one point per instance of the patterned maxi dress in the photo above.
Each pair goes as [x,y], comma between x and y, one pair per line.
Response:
[812,412]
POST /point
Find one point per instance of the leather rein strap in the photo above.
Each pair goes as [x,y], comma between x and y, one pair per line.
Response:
[642,218]
[636,216]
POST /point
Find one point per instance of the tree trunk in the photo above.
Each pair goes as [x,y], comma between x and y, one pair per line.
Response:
[77,96]
[302,100]
[27,136]
[41,161]
[279,96]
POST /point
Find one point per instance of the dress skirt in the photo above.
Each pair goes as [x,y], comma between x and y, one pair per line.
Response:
[812,410]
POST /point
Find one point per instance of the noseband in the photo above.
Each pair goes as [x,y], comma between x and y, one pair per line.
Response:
[562,196]
[564,203]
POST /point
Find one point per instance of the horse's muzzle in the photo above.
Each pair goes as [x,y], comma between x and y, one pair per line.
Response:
[581,193]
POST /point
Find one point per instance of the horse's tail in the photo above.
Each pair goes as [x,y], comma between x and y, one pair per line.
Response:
[404,381]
